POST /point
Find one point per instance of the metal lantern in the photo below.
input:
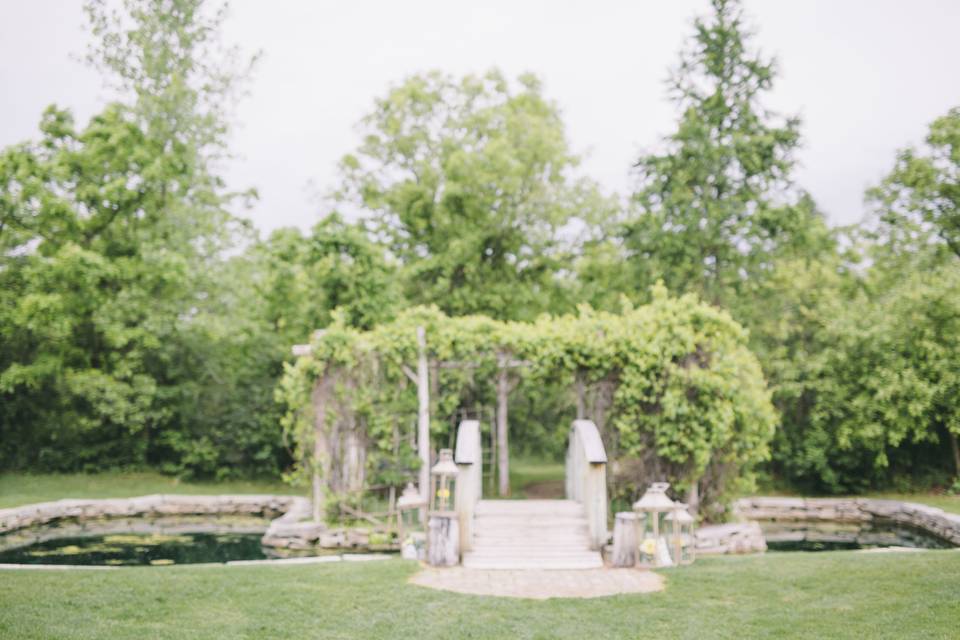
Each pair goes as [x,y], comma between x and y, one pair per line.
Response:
[682,537]
[409,530]
[443,485]
[652,526]
[408,505]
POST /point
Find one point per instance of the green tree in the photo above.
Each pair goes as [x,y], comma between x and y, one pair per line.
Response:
[111,236]
[716,206]
[885,386]
[917,206]
[470,183]
[336,268]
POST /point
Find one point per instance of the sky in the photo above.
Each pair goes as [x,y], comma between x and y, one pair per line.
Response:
[865,76]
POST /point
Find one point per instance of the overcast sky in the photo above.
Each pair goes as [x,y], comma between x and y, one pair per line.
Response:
[866,76]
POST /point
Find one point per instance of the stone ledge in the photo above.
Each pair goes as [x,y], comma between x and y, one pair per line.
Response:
[731,538]
[930,519]
[151,506]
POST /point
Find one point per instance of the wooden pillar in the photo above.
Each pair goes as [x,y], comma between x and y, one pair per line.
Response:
[503,447]
[423,418]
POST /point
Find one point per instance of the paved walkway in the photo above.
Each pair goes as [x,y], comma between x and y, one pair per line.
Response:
[540,584]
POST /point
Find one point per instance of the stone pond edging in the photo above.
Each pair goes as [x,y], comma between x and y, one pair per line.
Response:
[853,510]
[730,538]
[159,505]
[289,530]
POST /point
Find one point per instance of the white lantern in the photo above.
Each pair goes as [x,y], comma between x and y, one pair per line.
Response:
[652,527]
[409,532]
[443,481]
[682,536]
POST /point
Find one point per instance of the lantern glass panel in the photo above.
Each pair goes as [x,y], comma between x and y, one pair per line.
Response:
[443,484]
[655,530]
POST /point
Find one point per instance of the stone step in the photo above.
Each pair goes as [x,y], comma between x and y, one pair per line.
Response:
[528,507]
[531,534]
[590,560]
[522,549]
[531,525]
[513,536]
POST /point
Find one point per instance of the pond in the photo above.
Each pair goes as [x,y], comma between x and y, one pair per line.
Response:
[837,536]
[138,541]
[140,549]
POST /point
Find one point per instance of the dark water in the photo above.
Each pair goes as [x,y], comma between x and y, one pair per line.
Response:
[832,536]
[126,549]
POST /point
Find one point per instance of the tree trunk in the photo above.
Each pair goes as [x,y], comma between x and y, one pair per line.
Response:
[320,460]
[693,498]
[956,452]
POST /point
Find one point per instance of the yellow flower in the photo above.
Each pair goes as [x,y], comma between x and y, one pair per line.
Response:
[648,547]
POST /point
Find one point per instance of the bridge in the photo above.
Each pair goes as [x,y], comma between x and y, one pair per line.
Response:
[534,534]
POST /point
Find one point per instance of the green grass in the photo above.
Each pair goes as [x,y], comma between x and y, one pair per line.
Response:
[17,488]
[826,595]
[536,477]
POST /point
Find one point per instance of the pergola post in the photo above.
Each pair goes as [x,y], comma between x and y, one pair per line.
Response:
[423,419]
[503,446]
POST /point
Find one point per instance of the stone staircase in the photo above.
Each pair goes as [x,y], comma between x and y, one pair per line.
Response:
[531,534]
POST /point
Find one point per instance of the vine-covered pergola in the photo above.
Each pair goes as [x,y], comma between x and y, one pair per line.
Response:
[671,385]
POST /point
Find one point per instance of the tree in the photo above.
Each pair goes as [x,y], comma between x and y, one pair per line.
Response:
[715,207]
[110,236]
[884,386]
[918,204]
[469,182]
[336,268]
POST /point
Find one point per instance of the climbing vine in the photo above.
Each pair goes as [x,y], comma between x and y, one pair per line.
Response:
[678,394]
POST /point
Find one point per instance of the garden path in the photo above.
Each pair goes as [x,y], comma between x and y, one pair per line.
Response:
[540,584]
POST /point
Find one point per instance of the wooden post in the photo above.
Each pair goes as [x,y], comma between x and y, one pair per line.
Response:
[625,539]
[423,419]
[503,448]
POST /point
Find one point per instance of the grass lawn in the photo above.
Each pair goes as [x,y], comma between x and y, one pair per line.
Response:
[17,488]
[825,595]
[531,478]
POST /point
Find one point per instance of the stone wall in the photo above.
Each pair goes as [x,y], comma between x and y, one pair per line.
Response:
[44,513]
[732,538]
[289,530]
[853,510]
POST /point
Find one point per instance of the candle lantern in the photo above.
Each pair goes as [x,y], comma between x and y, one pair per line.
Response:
[652,526]
[682,536]
[443,481]
[409,530]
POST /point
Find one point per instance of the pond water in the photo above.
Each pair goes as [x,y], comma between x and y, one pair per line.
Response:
[836,536]
[126,549]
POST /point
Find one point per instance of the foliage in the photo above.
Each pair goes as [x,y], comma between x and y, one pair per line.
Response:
[918,204]
[121,347]
[884,388]
[335,268]
[469,183]
[690,402]
[718,204]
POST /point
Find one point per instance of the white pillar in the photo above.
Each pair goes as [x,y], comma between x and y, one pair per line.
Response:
[423,418]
